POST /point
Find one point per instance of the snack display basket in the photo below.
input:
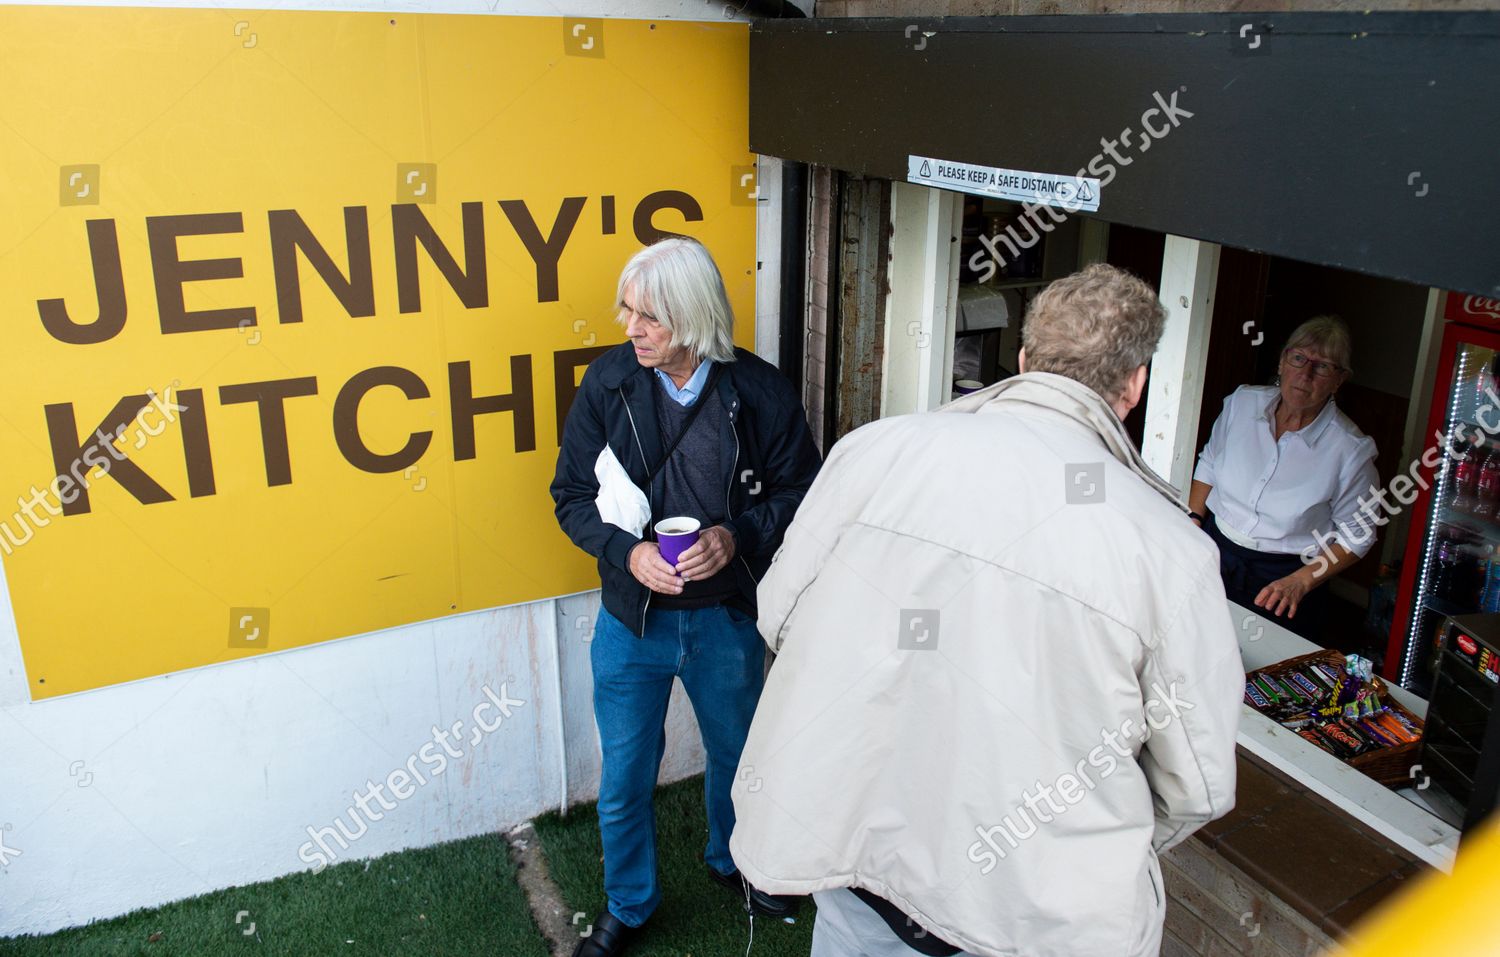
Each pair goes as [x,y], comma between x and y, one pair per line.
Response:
[1391,765]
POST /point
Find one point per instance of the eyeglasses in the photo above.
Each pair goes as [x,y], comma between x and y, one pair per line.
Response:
[1322,370]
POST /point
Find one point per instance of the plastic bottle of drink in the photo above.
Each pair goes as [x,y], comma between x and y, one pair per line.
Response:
[1487,490]
[1445,563]
[1486,554]
[1490,601]
[1466,479]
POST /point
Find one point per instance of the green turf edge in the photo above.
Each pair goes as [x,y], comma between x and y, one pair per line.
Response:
[697,918]
[458,898]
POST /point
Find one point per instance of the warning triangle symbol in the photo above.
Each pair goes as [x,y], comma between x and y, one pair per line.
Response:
[925,171]
[1086,194]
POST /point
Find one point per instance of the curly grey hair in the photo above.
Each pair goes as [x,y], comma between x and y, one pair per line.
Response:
[1096,326]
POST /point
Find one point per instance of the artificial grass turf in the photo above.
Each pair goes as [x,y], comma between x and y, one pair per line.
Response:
[697,918]
[459,898]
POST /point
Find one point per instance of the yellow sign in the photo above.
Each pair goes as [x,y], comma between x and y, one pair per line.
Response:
[1437,914]
[294,302]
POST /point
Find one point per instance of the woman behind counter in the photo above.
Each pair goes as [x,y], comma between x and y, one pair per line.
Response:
[1282,465]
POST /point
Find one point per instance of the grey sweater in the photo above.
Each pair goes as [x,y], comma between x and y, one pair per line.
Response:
[695,487]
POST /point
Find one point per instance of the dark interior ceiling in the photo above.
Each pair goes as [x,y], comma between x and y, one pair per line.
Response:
[1367,141]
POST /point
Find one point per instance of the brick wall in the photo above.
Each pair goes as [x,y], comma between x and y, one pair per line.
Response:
[1214,908]
[820,183]
[1284,874]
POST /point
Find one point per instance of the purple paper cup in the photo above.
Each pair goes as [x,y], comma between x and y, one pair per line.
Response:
[675,536]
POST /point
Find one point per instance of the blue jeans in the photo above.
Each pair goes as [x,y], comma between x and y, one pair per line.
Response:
[720,658]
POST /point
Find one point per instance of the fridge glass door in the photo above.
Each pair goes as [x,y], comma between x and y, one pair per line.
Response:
[1460,568]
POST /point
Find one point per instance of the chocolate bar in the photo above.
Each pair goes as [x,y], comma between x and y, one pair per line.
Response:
[1344,745]
[1330,676]
[1362,741]
[1294,691]
[1310,733]
[1255,699]
[1309,687]
[1397,725]
[1268,688]
[1374,731]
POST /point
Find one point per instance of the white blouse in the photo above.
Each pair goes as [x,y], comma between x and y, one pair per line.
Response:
[1279,494]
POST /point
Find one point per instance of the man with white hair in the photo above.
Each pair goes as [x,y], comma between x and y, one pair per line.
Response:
[707,432]
[1007,675]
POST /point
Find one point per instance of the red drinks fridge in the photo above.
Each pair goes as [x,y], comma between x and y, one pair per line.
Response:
[1452,557]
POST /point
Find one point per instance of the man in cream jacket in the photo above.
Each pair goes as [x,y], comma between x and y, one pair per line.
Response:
[1007,677]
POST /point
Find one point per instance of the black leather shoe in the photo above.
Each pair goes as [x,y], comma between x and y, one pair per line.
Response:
[608,938]
[757,902]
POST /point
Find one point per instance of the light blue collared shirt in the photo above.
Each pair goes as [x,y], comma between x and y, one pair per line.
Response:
[688,394]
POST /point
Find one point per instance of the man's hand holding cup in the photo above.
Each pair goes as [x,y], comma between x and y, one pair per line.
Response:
[648,567]
[713,550]
[680,553]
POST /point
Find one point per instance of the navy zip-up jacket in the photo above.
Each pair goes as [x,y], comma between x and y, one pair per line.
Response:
[767,467]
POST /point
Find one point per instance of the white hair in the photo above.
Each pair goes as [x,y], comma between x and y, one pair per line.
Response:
[676,282]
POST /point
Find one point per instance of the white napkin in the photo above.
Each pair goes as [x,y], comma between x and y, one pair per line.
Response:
[620,501]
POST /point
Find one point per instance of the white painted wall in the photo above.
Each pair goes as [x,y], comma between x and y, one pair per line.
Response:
[768,257]
[1174,394]
[926,224]
[148,792]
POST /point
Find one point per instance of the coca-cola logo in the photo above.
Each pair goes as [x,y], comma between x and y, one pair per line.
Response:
[1467,645]
[1480,306]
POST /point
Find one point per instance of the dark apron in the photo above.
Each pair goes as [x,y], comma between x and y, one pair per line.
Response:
[1246,571]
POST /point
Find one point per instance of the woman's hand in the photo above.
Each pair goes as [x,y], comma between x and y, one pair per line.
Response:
[651,570]
[1283,595]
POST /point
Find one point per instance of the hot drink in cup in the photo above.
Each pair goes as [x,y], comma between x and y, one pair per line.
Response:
[675,536]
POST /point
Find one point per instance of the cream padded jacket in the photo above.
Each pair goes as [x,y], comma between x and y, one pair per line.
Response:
[1007,678]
